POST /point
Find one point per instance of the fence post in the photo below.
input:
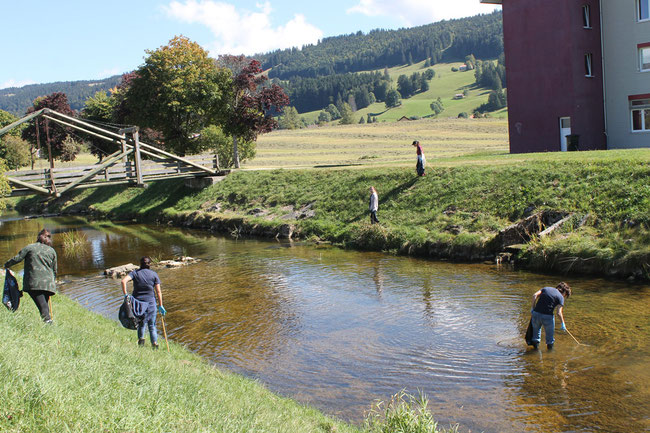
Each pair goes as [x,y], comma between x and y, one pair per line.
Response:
[138,164]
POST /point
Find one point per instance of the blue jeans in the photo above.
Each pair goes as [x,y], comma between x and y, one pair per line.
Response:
[150,322]
[546,320]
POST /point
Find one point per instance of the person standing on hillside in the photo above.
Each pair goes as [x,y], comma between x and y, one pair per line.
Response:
[374,205]
[145,283]
[544,303]
[39,278]
[421,163]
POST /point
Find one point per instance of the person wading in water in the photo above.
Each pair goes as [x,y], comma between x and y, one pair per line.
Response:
[544,303]
[145,282]
[39,279]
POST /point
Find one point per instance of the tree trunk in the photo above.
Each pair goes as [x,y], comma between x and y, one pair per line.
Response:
[235,155]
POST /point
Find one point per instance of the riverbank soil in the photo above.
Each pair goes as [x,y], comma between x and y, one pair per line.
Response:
[455,212]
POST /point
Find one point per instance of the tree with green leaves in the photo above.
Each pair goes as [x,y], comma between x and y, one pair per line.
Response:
[290,119]
[212,137]
[15,151]
[178,91]
[100,108]
[437,107]
[324,117]
[347,115]
[393,98]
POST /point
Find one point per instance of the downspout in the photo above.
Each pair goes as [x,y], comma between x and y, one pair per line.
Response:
[602,60]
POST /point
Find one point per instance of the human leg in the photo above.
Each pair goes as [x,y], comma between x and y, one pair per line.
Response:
[151,324]
[373,217]
[549,328]
[41,299]
[536,319]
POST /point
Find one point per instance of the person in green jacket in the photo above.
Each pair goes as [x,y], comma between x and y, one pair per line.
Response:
[39,279]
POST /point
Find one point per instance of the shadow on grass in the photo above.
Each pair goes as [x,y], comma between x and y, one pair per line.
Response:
[390,195]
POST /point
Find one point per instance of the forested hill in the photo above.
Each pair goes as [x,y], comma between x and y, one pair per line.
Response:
[480,35]
[16,100]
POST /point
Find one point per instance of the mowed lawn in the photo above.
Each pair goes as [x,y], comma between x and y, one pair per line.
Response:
[380,143]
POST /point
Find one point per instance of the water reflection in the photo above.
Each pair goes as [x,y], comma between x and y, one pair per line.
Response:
[339,329]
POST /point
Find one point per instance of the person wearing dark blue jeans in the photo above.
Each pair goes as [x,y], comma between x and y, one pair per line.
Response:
[544,303]
[146,285]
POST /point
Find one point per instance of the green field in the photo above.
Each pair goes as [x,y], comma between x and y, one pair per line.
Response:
[380,143]
[444,85]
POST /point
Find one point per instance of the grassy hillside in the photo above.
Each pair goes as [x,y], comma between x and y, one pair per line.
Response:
[452,212]
[444,85]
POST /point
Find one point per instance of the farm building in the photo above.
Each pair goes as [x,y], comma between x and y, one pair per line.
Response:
[578,73]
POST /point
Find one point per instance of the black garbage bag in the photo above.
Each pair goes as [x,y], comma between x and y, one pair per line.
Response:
[11,294]
[529,333]
[127,317]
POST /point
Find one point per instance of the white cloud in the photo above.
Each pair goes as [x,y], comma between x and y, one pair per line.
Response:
[418,12]
[242,31]
[13,83]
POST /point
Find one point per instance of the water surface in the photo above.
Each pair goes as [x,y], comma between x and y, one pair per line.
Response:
[340,329]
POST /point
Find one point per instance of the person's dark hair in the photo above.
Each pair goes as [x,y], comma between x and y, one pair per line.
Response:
[44,237]
[415,143]
[145,262]
[564,288]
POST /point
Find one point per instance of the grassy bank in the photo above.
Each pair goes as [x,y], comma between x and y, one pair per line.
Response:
[85,373]
[452,212]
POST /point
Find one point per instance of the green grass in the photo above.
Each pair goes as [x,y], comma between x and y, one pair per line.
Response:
[454,211]
[444,85]
[86,374]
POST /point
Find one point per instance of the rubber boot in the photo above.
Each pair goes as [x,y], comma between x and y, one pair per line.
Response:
[141,342]
[549,346]
[535,346]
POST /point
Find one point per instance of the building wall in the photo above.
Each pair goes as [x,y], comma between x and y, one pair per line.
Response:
[622,34]
[545,44]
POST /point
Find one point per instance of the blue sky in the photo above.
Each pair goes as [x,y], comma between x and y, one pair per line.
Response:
[68,40]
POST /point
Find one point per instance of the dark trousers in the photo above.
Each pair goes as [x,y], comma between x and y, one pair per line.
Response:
[41,299]
[373,217]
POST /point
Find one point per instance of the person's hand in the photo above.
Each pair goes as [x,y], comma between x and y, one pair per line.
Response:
[162,310]
[125,296]
[563,328]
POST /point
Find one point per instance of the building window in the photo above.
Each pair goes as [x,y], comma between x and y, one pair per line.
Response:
[586,16]
[644,10]
[640,109]
[644,57]
[588,65]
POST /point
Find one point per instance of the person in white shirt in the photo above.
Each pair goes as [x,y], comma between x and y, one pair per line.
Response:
[374,205]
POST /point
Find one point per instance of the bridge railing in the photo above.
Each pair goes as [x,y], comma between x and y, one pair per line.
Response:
[119,173]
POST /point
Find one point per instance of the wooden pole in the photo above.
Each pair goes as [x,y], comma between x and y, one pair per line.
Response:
[138,162]
[38,141]
[49,151]
[109,161]
[11,126]
[49,300]
[162,318]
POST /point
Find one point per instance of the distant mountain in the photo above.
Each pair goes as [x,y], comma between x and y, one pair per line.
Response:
[16,100]
[449,40]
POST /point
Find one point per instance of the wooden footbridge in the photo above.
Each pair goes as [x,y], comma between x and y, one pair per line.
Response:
[126,166]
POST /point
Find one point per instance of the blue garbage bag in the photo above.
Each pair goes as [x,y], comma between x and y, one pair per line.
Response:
[11,294]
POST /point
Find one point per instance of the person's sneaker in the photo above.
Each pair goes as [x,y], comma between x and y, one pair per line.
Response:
[549,346]
[49,322]
[141,342]
[155,346]
[535,346]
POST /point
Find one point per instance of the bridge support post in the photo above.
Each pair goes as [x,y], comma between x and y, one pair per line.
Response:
[138,162]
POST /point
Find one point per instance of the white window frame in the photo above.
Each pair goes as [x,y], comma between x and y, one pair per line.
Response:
[589,65]
[644,109]
[586,16]
[638,10]
[640,53]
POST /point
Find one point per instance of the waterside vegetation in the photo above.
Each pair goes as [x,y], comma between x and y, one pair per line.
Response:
[454,212]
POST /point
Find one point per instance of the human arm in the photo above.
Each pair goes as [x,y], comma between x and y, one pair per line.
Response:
[161,309]
[560,313]
[17,259]
[535,296]
[125,280]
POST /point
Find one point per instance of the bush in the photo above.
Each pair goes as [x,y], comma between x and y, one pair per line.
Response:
[69,149]
[463,115]
[16,152]
[212,137]
[454,69]
[405,414]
